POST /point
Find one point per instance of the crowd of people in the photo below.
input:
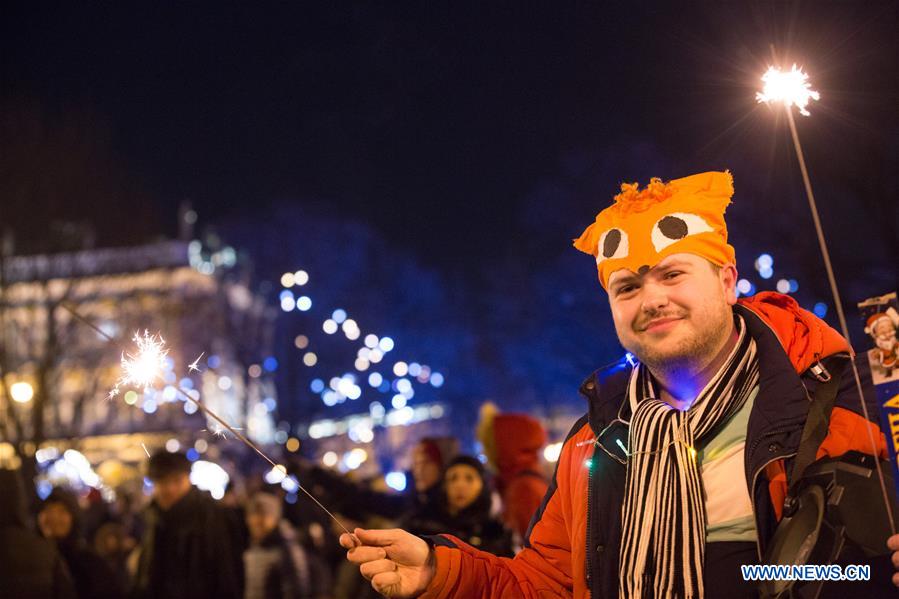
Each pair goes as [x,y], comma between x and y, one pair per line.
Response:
[252,543]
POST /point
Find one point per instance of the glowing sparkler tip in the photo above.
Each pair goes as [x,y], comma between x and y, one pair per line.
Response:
[146,365]
[219,431]
[791,88]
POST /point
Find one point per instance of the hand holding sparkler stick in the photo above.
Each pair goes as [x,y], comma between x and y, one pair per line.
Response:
[144,367]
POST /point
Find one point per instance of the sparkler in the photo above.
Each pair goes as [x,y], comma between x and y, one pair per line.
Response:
[793,88]
[143,368]
[146,365]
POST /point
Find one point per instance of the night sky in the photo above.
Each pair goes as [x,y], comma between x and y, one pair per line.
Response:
[438,126]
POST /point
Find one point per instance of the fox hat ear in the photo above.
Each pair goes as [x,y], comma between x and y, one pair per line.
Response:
[643,226]
[588,240]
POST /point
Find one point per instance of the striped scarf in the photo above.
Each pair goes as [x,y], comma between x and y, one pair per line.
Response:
[663,516]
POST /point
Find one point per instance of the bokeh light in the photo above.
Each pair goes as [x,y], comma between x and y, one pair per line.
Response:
[330,459]
[21,392]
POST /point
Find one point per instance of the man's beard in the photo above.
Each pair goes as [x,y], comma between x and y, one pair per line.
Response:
[708,332]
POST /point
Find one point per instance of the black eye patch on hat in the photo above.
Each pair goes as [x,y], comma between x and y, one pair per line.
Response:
[674,227]
[612,244]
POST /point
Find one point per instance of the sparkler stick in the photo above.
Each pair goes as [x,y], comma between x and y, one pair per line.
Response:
[793,89]
[143,368]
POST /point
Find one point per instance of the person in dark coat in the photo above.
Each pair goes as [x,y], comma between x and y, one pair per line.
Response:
[463,510]
[30,566]
[59,521]
[187,549]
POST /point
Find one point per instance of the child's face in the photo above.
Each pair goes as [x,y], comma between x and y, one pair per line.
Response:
[463,486]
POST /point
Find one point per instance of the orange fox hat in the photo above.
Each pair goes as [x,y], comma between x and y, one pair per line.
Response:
[644,226]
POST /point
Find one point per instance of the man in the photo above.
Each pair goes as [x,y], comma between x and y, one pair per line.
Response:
[676,475]
[187,549]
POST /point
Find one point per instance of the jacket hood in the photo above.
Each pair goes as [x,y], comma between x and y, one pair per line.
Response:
[518,439]
[805,337]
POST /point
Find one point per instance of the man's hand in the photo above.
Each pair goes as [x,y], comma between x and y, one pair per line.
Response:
[893,545]
[397,563]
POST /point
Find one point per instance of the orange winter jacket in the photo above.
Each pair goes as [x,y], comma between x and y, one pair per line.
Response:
[573,540]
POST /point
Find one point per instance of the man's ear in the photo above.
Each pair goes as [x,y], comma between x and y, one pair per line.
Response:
[727,274]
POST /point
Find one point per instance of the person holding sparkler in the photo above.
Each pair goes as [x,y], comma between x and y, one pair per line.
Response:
[678,473]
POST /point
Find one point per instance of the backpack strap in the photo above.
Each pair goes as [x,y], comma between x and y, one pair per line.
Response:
[818,420]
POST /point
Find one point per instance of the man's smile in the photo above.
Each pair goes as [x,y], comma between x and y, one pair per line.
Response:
[660,324]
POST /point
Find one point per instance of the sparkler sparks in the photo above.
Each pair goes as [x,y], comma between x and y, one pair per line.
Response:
[220,431]
[193,367]
[144,367]
[791,88]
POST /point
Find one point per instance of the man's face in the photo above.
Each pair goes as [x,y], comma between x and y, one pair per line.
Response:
[677,313]
[260,524]
[425,471]
[169,489]
[55,521]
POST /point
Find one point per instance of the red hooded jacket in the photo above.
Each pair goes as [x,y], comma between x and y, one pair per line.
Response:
[518,439]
